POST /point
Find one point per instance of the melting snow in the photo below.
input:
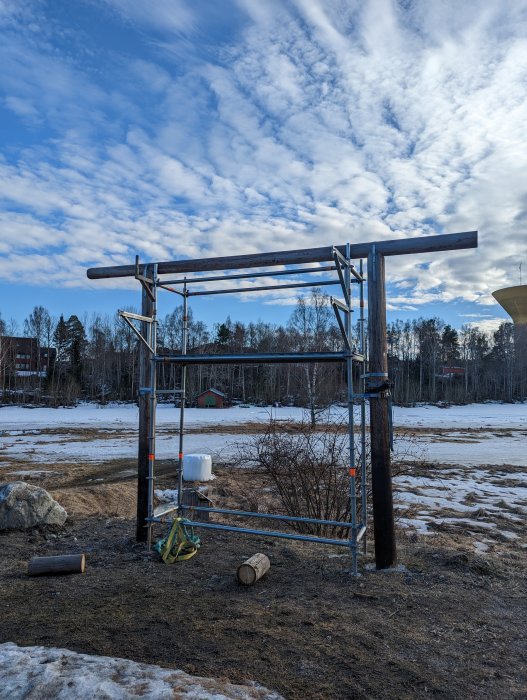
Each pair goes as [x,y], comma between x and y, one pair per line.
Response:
[48,674]
[475,446]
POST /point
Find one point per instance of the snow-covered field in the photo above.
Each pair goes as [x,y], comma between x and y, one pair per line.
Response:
[471,461]
[474,416]
[35,435]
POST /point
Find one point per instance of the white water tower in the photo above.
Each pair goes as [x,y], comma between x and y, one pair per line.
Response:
[514,301]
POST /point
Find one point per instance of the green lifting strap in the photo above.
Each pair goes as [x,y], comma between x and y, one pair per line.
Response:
[180,543]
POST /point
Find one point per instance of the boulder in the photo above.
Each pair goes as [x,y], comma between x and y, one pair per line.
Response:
[23,506]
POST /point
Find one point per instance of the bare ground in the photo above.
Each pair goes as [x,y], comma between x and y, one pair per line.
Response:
[451,625]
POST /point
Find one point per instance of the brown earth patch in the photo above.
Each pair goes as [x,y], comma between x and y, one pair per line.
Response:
[108,500]
[450,625]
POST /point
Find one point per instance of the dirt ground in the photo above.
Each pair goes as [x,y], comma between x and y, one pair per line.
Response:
[451,624]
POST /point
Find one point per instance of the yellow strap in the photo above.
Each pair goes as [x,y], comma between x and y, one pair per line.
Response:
[184,548]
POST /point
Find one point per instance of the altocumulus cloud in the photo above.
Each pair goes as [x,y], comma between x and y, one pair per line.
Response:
[173,129]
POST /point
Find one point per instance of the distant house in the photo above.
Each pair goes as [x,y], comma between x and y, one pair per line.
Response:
[452,372]
[24,357]
[212,398]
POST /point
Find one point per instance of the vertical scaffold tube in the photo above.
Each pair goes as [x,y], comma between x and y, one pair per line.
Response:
[351,427]
[363,482]
[153,402]
[183,395]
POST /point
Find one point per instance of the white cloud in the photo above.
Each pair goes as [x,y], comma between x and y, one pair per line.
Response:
[488,325]
[162,15]
[319,122]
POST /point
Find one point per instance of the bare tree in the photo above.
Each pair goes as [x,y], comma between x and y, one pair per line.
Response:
[310,324]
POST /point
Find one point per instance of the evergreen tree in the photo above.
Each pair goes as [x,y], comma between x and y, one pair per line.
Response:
[223,334]
[450,346]
[76,344]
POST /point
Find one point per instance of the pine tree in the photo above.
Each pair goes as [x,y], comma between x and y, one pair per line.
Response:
[76,344]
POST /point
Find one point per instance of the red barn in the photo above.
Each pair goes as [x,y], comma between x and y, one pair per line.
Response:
[212,398]
[452,372]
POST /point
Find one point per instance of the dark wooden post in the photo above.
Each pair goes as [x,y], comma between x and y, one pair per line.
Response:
[382,498]
[147,307]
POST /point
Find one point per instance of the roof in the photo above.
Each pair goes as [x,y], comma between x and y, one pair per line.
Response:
[213,391]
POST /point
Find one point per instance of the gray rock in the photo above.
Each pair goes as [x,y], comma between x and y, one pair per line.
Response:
[23,506]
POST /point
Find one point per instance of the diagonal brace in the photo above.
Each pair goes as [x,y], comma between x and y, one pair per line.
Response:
[137,317]
[340,305]
[146,282]
[341,324]
[346,263]
[338,257]
[137,333]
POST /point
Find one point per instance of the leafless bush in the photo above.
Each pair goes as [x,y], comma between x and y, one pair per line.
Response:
[308,468]
[408,453]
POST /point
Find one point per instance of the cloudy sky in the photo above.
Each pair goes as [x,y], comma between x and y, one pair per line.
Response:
[184,128]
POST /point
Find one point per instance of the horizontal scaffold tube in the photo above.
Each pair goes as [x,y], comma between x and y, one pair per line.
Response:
[265,533]
[255,358]
[249,275]
[266,288]
[267,516]
[398,246]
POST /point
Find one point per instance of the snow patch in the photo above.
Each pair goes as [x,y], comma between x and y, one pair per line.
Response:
[58,673]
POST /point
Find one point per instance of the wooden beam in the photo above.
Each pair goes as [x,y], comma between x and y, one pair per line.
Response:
[381,476]
[147,306]
[399,246]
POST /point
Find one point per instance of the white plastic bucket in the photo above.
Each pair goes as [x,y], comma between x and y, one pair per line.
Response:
[197,467]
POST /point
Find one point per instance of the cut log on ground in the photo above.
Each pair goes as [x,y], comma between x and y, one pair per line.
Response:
[63,564]
[253,569]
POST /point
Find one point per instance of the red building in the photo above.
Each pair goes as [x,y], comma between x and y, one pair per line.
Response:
[212,398]
[23,357]
[452,372]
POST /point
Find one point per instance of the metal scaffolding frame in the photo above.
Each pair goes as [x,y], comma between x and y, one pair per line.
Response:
[347,275]
[374,383]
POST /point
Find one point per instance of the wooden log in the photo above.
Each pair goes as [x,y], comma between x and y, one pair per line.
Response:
[253,569]
[398,246]
[62,564]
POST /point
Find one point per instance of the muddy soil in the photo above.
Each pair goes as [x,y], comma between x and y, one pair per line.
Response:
[450,625]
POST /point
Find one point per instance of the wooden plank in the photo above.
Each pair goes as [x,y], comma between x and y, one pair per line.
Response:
[399,246]
[193,498]
[382,497]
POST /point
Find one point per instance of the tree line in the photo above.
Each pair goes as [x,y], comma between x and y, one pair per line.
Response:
[96,359]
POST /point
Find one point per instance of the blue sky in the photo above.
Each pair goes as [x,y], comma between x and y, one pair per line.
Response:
[176,129]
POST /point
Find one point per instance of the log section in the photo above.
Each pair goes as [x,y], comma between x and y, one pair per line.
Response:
[253,569]
[63,564]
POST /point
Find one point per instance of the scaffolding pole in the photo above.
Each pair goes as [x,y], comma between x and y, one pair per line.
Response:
[351,417]
[184,344]
[259,358]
